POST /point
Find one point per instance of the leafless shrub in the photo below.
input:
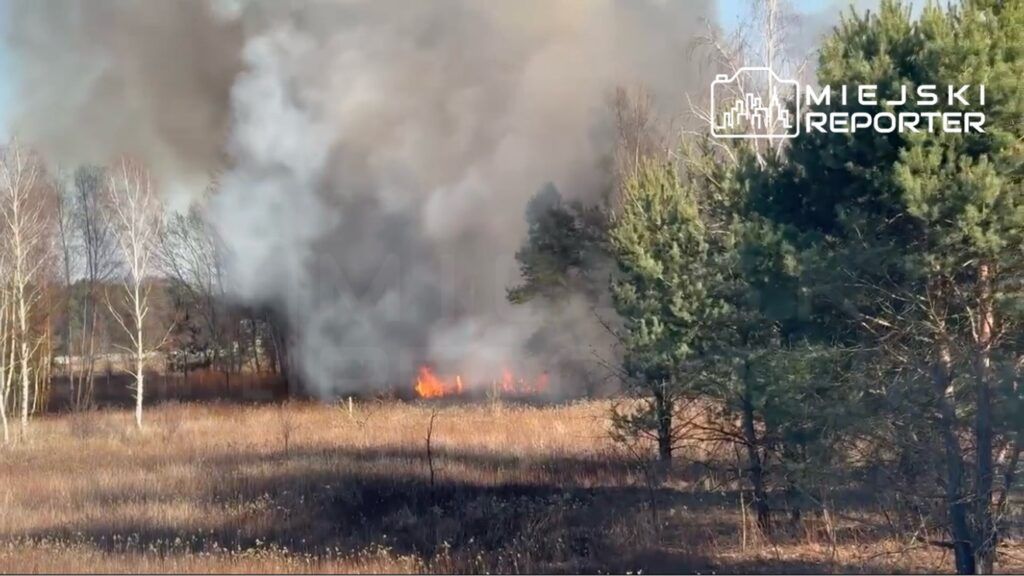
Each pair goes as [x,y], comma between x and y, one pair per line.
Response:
[84,425]
[287,424]
[169,420]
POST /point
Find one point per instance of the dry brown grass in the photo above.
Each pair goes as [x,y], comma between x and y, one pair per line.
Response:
[213,488]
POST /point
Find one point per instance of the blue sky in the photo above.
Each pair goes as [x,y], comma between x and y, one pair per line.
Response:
[730,11]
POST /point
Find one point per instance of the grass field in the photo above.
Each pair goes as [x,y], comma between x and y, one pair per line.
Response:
[305,487]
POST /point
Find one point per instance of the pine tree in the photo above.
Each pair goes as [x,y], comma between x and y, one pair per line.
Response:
[564,243]
[660,291]
[768,362]
[916,235]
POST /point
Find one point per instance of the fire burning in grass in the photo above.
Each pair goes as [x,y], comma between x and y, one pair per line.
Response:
[431,385]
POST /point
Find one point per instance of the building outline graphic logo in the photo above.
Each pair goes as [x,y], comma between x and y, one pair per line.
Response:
[746,115]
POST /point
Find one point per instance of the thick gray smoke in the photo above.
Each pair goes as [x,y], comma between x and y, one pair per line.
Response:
[98,79]
[383,155]
[378,156]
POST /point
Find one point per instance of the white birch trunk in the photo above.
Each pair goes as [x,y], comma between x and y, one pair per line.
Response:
[137,219]
[140,356]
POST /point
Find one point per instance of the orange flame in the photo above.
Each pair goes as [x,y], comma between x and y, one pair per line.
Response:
[430,385]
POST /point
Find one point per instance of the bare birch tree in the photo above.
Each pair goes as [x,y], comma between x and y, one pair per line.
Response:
[26,222]
[761,41]
[639,133]
[6,363]
[190,257]
[136,217]
[88,260]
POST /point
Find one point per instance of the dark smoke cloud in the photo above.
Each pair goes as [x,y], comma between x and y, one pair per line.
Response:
[97,79]
[377,156]
[383,155]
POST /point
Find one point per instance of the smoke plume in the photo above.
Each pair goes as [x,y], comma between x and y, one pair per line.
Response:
[375,157]
[95,80]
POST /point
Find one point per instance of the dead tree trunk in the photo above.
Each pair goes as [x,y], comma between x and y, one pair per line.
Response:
[963,547]
[755,469]
[985,544]
[663,407]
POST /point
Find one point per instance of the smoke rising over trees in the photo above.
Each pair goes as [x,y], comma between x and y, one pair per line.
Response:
[335,192]
[382,145]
